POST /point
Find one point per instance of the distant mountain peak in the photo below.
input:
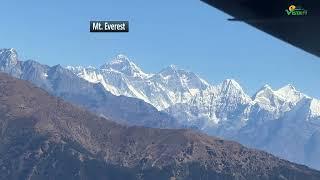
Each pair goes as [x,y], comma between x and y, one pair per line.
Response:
[121,59]
[230,85]
[266,89]
[290,93]
[8,57]
[231,82]
[171,69]
[175,70]
[173,66]
[10,50]
[266,86]
[287,88]
[315,108]
[184,78]
[123,64]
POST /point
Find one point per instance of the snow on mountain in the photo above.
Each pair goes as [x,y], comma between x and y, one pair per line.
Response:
[267,98]
[290,94]
[278,101]
[8,60]
[315,108]
[223,104]
[8,57]
[122,64]
[90,74]
[269,120]
[191,99]
[122,77]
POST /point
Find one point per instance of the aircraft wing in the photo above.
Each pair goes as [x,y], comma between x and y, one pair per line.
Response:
[301,29]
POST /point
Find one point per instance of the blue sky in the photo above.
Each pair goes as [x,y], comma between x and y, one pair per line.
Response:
[187,33]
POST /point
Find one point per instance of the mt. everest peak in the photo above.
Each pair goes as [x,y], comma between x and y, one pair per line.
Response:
[122,64]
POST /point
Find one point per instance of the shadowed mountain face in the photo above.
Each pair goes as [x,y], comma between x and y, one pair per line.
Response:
[42,137]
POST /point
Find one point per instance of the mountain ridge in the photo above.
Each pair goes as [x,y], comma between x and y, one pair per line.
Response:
[61,82]
[46,137]
[268,120]
[225,110]
[174,69]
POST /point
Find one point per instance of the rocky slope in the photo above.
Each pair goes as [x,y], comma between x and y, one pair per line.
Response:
[43,137]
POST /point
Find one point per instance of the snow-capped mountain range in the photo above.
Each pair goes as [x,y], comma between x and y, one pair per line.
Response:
[284,122]
[174,89]
[274,116]
[164,89]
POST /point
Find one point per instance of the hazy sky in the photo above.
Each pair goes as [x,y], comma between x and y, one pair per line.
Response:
[187,33]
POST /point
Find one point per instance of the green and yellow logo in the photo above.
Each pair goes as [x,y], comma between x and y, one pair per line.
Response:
[296,11]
